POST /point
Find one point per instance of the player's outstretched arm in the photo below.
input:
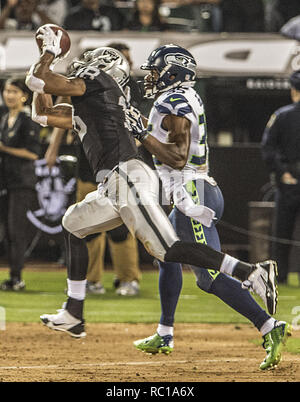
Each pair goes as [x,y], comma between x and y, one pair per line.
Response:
[42,79]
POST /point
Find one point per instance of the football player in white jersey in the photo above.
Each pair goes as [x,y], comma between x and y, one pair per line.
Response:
[178,118]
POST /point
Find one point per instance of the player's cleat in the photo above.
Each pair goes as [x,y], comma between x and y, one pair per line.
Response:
[273,343]
[155,344]
[64,321]
[95,288]
[262,281]
[128,288]
[11,284]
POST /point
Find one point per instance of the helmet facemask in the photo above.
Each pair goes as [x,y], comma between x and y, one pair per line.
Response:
[150,83]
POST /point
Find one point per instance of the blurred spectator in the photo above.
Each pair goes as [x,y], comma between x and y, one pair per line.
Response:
[208,15]
[146,17]
[243,15]
[281,153]
[55,10]
[278,12]
[196,15]
[19,148]
[30,14]
[93,15]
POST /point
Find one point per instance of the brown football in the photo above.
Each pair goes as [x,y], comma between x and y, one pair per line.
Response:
[65,42]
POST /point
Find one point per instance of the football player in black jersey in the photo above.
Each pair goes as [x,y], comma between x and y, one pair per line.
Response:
[128,188]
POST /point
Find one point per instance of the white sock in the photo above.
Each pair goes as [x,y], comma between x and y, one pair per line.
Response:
[228,264]
[268,326]
[76,289]
[163,330]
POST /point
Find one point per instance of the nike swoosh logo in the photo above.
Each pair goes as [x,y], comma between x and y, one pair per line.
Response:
[175,99]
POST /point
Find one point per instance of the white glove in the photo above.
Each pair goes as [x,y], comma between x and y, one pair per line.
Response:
[51,40]
[135,122]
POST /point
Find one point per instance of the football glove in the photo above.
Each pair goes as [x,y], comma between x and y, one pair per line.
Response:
[135,124]
[51,40]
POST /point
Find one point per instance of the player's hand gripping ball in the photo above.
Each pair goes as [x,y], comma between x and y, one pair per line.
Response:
[53,39]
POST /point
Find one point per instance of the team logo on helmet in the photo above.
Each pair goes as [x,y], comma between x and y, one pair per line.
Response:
[111,55]
[180,60]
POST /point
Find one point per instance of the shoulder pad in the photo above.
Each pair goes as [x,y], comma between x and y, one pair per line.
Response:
[173,103]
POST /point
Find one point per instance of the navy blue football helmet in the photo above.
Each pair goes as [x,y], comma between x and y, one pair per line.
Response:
[174,65]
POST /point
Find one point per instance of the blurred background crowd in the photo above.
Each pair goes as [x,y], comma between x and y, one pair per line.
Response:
[150,15]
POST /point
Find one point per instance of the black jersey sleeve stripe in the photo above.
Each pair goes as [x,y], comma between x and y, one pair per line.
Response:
[143,209]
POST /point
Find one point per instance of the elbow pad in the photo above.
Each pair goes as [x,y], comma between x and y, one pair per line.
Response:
[34,84]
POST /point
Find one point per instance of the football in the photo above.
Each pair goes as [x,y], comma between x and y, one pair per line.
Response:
[65,42]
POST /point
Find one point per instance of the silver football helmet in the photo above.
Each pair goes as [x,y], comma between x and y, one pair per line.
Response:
[110,60]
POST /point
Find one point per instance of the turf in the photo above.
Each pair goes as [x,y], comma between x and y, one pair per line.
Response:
[45,294]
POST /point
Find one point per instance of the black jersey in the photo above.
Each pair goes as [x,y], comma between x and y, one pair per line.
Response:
[99,121]
[16,172]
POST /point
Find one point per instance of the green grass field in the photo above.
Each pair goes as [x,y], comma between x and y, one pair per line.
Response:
[45,294]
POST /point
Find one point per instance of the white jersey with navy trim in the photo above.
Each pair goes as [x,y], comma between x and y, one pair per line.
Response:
[185,102]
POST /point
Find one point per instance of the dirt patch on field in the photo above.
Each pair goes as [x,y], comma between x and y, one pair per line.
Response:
[203,353]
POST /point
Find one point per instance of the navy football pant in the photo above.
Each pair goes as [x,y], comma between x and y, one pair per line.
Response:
[223,286]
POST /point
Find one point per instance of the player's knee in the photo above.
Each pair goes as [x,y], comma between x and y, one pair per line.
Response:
[68,222]
[205,278]
[204,285]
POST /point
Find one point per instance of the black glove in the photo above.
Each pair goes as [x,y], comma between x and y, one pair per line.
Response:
[135,124]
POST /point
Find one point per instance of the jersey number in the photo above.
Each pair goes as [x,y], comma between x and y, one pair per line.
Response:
[88,72]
